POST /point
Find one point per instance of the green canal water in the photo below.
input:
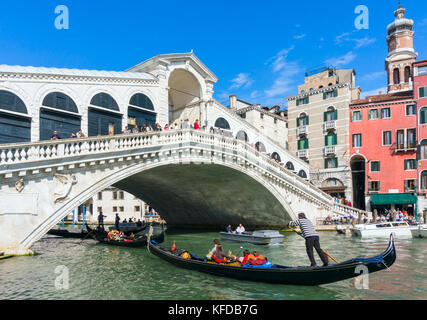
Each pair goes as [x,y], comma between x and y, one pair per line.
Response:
[98,271]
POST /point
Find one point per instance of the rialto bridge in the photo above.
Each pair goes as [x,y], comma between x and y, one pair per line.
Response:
[192,178]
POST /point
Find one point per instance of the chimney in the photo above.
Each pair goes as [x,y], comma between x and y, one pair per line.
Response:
[233,103]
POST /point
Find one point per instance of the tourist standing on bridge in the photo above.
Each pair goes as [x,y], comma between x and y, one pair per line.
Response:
[80,134]
[196,125]
[55,136]
[311,238]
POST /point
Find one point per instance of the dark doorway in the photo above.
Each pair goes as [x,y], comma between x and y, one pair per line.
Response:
[357,164]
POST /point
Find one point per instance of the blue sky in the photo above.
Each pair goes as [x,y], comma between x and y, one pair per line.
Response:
[259,50]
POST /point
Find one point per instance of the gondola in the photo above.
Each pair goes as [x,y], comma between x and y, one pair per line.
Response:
[277,274]
[139,242]
[68,234]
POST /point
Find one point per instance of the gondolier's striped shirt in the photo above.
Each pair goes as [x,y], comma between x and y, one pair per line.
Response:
[306,227]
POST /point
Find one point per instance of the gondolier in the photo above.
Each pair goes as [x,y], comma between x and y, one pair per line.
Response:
[101,220]
[311,238]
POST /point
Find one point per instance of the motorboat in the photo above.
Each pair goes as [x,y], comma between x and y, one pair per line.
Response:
[256,237]
[382,230]
[419,231]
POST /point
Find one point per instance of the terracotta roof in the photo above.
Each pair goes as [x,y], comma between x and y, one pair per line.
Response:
[420,62]
[385,97]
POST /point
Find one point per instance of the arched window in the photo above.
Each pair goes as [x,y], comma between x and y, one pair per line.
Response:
[302,174]
[276,156]
[396,76]
[142,101]
[423,178]
[13,127]
[302,91]
[407,73]
[11,102]
[259,146]
[423,115]
[104,100]
[320,87]
[61,101]
[290,166]
[241,135]
[423,149]
[222,123]
[311,89]
[330,114]
[302,120]
[58,113]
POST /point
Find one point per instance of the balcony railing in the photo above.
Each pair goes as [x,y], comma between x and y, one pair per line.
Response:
[402,147]
[330,125]
[329,150]
[303,154]
[302,130]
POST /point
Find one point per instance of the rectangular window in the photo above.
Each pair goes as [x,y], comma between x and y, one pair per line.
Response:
[121,195]
[411,139]
[114,209]
[331,140]
[99,209]
[302,101]
[422,70]
[303,144]
[410,185]
[423,152]
[137,208]
[122,209]
[385,113]
[99,195]
[357,140]
[386,138]
[356,116]
[261,115]
[411,110]
[375,166]
[275,121]
[331,163]
[373,114]
[330,94]
[400,139]
[423,115]
[423,180]
[374,186]
[115,195]
[410,164]
[422,92]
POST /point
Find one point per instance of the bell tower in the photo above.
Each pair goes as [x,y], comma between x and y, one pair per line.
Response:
[401,54]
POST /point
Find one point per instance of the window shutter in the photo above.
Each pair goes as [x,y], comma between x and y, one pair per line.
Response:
[297,102]
[335,92]
[361,114]
[334,139]
[324,95]
[336,162]
[352,116]
[306,144]
[297,122]
[326,163]
[307,121]
[422,116]
[406,164]
[325,116]
[336,114]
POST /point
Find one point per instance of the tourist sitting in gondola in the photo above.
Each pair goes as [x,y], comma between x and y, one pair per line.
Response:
[139,223]
[229,229]
[220,255]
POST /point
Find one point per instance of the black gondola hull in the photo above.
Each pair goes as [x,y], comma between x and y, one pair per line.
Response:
[308,276]
[67,234]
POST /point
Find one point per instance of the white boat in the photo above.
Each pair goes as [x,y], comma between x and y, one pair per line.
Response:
[255,237]
[419,231]
[381,230]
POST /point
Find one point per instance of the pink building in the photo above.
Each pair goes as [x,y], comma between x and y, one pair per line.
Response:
[383,131]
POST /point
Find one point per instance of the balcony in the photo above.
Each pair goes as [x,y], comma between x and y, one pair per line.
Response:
[403,147]
[330,125]
[303,154]
[329,150]
[302,130]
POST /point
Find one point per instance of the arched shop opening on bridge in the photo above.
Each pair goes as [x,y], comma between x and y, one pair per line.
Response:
[276,156]
[15,123]
[141,111]
[335,188]
[59,113]
[259,146]
[242,135]
[104,116]
[184,97]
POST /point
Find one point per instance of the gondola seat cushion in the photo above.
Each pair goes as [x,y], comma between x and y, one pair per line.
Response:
[268,264]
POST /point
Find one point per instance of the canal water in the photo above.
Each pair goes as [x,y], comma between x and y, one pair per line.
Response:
[98,271]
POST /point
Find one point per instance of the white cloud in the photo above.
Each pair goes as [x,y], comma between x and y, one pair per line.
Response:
[373,76]
[254,94]
[364,42]
[374,92]
[285,82]
[242,80]
[342,37]
[341,61]
[301,36]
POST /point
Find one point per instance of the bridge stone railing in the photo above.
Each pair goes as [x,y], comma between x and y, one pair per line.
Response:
[27,156]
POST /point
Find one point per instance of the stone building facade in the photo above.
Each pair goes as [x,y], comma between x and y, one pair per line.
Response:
[318,118]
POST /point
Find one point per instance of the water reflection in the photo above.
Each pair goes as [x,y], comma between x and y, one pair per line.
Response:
[98,271]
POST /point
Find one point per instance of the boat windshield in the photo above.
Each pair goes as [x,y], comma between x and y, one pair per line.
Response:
[383,225]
